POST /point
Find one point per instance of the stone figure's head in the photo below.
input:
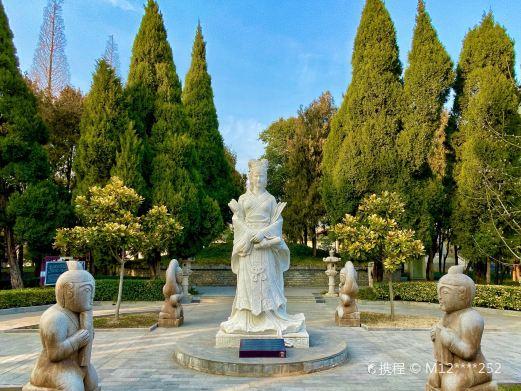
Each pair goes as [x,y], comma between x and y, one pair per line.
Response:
[456,290]
[258,174]
[75,290]
[174,277]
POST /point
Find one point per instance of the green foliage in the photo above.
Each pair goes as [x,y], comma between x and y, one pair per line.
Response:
[198,102]
[487,172]
[304,166]
[129,159]
[62,116]
[23,160]
[104,120]
[427,81]
[492,296]
[374,233]
[276,137]
[150,48]
[170,161]
[360,153]
[37,212]
[487,44]
[26,297]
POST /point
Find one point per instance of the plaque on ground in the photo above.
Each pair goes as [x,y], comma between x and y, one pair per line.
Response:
[262,348]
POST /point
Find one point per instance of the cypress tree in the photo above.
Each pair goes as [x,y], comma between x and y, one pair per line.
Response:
[481,124]
[204,128]
[484,45]
[487,174]
[170,164]
[104,119]
[360,153]
[427,82]
[23,160]
[128,162]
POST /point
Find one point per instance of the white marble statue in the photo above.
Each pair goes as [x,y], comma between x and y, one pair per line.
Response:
[259,258]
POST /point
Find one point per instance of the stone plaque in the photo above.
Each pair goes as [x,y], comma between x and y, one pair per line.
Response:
[262,348]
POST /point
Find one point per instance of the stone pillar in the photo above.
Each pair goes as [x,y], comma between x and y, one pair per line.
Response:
[187,270]
[370,268]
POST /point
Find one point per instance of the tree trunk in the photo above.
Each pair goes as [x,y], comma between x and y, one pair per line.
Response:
[305,236]
[498,270]
[430,258]
[20,256]
[440,252]
[487,275]
[120,289]
[314,240]
[456,260]
[391,294]
[14,269]
[446,256]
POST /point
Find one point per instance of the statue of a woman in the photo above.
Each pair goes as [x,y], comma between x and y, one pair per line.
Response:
[259,259]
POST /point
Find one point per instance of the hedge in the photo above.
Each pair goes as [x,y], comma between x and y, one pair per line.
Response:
[106,290]
[491,296]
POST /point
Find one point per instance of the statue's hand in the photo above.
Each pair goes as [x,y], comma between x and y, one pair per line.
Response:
[81,338]
[434,330]
[257,238]
[447,336]
[262,244]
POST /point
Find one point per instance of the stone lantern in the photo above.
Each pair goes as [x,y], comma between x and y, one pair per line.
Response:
[187,270]
[331,271]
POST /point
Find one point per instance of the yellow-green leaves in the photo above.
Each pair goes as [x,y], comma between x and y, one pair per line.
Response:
[111,224]
[374,233]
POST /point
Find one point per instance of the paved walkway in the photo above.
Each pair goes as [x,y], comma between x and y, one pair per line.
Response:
[378,360]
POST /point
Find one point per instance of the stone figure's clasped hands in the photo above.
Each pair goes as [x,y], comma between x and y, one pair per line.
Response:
[81,338]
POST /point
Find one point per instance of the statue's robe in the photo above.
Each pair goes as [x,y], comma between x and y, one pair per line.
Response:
[260,304]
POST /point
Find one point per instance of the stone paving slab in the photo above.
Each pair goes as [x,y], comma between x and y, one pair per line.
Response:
[378,360]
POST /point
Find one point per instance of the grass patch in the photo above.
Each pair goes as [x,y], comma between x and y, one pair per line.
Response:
[146,319]
[510,387]
[381,320]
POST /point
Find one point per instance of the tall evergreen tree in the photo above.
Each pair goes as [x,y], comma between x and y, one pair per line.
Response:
[170,164]
[481,124]
[204,128]
[104,120]
[129,159]
[486,44]
[302,191]
[23,160]
[427,82]
[360,153]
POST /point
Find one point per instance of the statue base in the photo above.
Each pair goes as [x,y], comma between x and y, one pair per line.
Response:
[348,320]
[164,322]
[224,340]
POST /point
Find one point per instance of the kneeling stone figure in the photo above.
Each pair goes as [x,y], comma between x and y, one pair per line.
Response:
[67,333]
[460,365]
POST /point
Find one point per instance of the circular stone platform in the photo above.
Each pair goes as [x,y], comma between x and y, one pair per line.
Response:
[198,351]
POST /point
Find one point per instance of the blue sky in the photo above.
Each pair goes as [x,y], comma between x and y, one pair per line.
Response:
[266,57]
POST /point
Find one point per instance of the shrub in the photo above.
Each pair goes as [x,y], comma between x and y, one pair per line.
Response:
[106,290]
[491,296]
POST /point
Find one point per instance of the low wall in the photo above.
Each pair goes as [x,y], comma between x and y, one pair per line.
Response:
[297,276]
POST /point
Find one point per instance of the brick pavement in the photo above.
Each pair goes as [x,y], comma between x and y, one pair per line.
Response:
[142,360]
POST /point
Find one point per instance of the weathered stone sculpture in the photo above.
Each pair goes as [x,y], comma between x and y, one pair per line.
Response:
[171,314]
[460,365]
[259,258]
[347,313]
[67,333]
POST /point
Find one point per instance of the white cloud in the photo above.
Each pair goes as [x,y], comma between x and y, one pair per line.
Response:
[125,5]
[242,136]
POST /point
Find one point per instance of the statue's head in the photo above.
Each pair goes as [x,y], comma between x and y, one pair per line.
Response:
[75,290]
[258,174]
[456,290]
